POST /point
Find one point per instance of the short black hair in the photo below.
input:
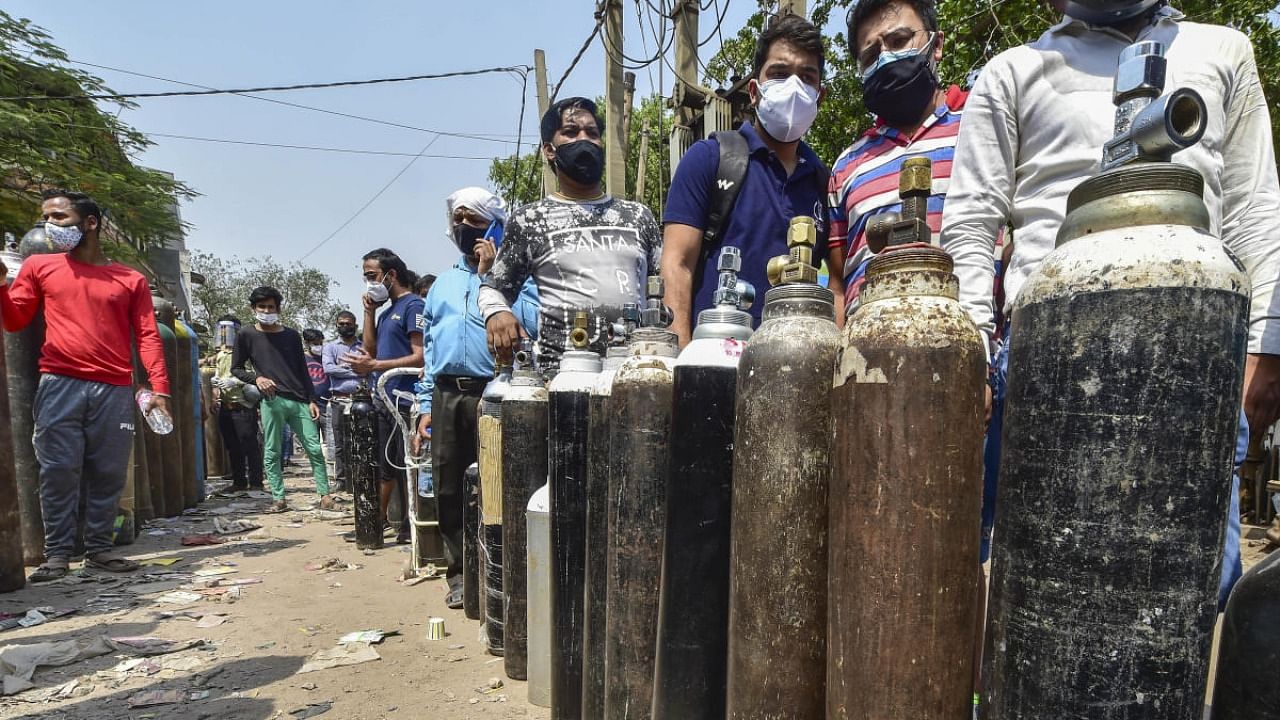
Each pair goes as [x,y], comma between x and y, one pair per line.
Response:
[344,314]
[84,205]
[229,318]
[795,30]
[926,9]
[312,335]
[553,118]
[388,261]
[424,284]
[266,292]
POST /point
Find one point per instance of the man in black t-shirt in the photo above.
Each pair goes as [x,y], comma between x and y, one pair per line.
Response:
[280,373]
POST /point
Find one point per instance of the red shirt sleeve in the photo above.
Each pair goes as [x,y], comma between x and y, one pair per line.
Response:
[150,349]
[20,301]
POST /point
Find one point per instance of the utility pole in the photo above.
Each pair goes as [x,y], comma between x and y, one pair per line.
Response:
[615,141]
[686,99]
[643,165]
[549,184]
[628,99]
[794,7]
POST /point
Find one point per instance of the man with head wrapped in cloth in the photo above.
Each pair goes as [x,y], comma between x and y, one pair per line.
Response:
[457,360]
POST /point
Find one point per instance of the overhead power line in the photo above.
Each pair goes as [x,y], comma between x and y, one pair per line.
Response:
[555,92]
[472,136]
[518,69]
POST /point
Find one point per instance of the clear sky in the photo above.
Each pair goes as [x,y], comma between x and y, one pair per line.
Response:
[266,201]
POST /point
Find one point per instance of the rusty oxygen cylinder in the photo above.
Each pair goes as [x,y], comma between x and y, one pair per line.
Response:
[213,447]
[1245,688]
[22,375]
[1126,355]
[192,437]
[598,469]
[364,468]
[641,403]
[172,467]
[693,609]
[471,594]
[906,486]
[490,461]
[524,470]
[781,467]
[568,408]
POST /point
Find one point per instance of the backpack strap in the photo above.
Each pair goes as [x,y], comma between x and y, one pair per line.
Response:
[729,177]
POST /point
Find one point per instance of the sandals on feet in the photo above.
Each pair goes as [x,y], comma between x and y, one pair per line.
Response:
[52,569]
[277,507]
[326,502]
[110,562]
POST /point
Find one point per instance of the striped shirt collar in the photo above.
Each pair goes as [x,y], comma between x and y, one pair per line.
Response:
[953,102]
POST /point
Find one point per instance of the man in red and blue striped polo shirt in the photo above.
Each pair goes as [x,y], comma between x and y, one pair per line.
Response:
[897,46]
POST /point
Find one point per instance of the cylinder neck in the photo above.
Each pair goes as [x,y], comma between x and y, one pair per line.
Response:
[799,300]
[654,341]
[580,361]
[911,272]
[1136,195]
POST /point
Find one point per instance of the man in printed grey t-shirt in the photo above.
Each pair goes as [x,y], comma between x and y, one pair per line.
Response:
[584,249]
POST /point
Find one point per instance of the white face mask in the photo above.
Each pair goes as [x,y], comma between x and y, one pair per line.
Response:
[267,318]
[64,238]
[787,108]
[317,349]
[377,292]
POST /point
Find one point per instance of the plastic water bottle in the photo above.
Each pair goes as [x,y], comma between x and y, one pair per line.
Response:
[159,423]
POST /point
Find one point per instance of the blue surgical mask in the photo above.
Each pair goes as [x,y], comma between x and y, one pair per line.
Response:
[890,56]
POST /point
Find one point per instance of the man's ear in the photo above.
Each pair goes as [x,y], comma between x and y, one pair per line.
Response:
[822,93]
[753,91]
[938,41]
[92,223]
[548,152]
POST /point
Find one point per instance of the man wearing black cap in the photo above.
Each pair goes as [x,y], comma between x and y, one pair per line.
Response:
[583,248]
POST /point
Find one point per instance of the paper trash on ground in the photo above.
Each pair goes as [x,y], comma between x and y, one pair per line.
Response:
[340,656]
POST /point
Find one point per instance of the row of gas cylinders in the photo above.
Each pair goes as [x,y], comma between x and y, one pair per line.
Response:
[785,523]
[166,473]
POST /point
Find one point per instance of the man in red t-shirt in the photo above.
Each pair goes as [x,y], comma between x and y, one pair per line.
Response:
[94,309]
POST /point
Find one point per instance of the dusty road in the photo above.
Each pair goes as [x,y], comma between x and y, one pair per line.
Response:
[246,666]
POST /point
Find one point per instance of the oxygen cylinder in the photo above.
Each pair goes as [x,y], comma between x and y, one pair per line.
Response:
[1126,358]
[538,526]
[1245,688]
[196,433]
[22,375]
[524,469]
[185,410]
[569,394]
[363,469]
[693,609]
[213,448]
[471,606]
[154,445]
[906,488]
[11,568]
[640,405]
[173,464]
[490,462]
[781,468]
[596,579]
[144,507]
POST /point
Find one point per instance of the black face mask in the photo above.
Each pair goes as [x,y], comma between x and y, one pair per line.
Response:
[465,237]
[581,160]
[346,332]
[899,92]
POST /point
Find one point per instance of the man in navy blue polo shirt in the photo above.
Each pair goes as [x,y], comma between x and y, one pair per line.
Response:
[785,178]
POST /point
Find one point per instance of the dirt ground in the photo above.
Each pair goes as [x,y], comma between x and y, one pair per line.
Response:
[248,665]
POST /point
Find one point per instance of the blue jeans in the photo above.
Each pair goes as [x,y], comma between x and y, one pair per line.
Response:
[1231,565]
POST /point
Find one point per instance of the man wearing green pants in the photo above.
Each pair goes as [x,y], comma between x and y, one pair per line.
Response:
[280,372]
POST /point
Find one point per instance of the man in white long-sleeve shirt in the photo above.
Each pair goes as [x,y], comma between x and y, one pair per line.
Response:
[1034,128]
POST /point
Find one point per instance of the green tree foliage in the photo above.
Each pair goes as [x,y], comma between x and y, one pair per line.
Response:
[72,144]
[524,175]
[308,299]
[975,31]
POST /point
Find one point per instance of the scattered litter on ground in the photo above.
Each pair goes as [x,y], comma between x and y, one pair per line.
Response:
[372,637]
[146,645]
[149,698]
[214,571]
[340,656]
[233,527]
[161,561]
[198,695]
[211,621]
[312,710]
[179,597]
[194,540]
[19,662]
[330,565]
[32,617]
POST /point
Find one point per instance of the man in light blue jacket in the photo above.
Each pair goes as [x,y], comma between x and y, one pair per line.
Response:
[458,362]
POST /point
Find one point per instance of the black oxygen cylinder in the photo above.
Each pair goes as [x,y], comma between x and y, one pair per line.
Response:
[596,577]
[11,568]
[524,470]
[1126,357]
[470,543]
[153,445]
[362,451]
[1249,653]
[569,394]
[22,375]
[171,444]
[781,471]
[142,491]
[185,413]
[693,609]
[641,404]
[489,430]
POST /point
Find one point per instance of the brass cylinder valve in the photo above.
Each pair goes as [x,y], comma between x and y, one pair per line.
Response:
[579,335]
[655,313]
[797,265]
[915,184]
